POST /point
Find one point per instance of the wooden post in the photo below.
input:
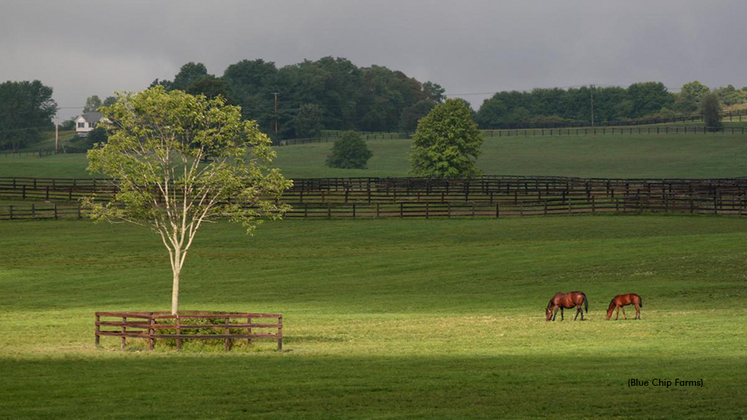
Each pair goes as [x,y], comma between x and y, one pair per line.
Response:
[228,332]
[401,210]
[280,333]
[151,332]
[426,210]
[124,331]
[497,210]
[98,330]
[249,331]
[178,332]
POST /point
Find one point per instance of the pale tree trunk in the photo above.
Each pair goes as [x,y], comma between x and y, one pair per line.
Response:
[175,293]
[177,268]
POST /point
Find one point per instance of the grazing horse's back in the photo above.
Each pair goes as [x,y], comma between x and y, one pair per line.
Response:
[620,301]
[566,301]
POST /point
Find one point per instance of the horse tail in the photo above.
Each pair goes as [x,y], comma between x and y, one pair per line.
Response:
[640,301]
[586,304]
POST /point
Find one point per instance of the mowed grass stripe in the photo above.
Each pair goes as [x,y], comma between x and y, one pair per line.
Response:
[622,156]
[384,319]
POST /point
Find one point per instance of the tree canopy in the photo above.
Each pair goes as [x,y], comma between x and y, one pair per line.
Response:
[26,109]
[349,152]
[155,151]
[711,109]
[446,143]
[348,97]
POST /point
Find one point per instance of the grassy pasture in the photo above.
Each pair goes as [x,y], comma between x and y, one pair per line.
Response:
[394,319]
[657,156]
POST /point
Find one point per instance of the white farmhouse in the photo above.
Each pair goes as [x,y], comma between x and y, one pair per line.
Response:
[86,123]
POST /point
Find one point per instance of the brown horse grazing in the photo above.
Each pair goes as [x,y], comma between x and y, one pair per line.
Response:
[566,300]
[620,301]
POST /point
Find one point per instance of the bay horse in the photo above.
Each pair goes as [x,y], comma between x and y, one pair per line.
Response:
[566,301]
[620,301]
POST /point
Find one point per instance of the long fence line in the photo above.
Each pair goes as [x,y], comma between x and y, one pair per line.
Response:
[716,205]
[494,196]
[372,189]
[534,132]
[731,115]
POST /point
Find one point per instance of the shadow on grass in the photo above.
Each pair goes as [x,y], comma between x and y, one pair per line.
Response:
[293,386]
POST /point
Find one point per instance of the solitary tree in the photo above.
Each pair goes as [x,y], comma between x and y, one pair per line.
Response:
[711,108]
[349,152]
[156,144]
[446,143]
[93,103]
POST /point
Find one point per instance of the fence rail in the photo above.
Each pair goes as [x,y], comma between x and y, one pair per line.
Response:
[715,205]
[188,325]
[420,197]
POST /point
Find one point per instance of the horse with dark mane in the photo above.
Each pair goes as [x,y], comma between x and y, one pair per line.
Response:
[566,301]
[620,301]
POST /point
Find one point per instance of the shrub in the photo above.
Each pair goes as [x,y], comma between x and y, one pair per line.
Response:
[711,108]
[349,152]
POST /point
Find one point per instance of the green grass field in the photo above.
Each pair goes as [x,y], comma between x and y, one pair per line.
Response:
[385,319]
[656,156]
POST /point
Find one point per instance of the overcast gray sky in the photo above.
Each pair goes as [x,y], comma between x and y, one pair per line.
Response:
[88,47]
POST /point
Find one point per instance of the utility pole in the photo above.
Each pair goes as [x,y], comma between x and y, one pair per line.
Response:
[276,112]
[592,105]
[56,132]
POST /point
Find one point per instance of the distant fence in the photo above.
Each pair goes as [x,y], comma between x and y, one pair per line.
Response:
[716,205]
[601,131]
[487,196]
[534,132]
[187,325]
[331,137]
[730,115]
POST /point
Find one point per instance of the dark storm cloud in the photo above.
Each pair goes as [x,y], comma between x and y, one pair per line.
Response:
[83,48]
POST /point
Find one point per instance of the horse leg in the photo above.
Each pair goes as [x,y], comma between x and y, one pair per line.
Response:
[576,317]
[561,313]
[581,311]
[617,314]
[637,311]
[626,317]
[555,313]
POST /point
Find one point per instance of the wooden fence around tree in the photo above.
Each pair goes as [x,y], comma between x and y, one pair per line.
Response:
[188,325]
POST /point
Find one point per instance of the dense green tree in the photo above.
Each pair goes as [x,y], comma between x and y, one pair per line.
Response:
[109,101]
[434,92]
[349,152]
[211,87]
[349,97]
[308,122]
[93,103]
[648,97]
[26,109]
[690,97]
[413,113]
[68,125]
[711,110]
[729,96]
[96,136]
[446,143]
[188,74]
[155,153]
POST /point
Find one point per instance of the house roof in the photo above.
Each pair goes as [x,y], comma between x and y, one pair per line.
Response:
[91,116]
